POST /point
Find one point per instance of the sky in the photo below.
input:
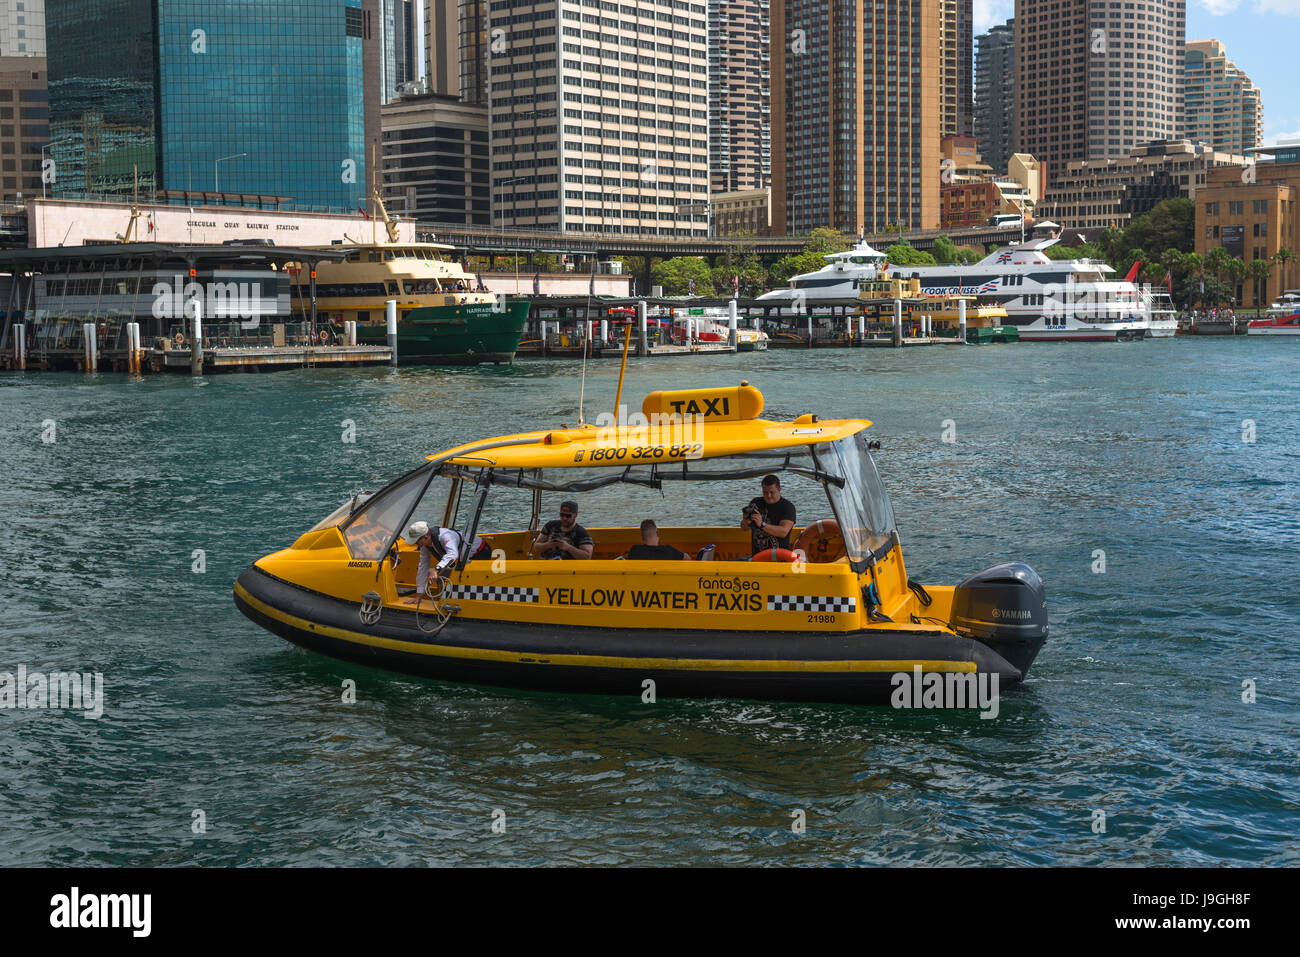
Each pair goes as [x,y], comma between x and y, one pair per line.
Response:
[1260,35]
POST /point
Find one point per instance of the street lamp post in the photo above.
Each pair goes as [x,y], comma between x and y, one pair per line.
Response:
[708,214]
[501,187]
[216,171]
[620,189]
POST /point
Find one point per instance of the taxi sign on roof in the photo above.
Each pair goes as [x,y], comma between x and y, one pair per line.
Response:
[712,405]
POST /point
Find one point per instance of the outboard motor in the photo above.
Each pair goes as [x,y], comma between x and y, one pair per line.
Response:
[1004,607]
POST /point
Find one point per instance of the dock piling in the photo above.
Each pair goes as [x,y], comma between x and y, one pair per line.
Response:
[133,348]
[810,345]
[898,322]
[644,345]
[89,351]
[196,343]
[20,346]
[390,313]
[733,320]
[961,318]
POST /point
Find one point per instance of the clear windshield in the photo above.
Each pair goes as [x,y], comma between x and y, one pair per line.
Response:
[862,507]
[370,530]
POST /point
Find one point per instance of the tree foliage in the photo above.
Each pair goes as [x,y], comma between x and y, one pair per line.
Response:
[944,250]
[903,254]
[780,271]
[826,240]
[675,276]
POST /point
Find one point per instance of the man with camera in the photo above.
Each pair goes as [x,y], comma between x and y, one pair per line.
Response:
[769,518]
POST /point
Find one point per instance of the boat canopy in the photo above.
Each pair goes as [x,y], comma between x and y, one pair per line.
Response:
[673,427]
[681,429]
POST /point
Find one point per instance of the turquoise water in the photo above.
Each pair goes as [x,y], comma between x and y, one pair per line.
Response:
[1134,708]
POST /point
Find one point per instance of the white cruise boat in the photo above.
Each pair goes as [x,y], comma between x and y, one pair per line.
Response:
[1161,313]
[1061,300]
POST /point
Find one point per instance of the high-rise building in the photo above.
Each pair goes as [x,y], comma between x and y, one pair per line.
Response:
[1095,79]
[599,116]
[457,47]
[442,46]
[1222,108]
[994,93]
[740,152]
[435,162]
[956,28]
[254,99]
[397,41]
[474,55]
[855,96]
[22,28]
[24,125]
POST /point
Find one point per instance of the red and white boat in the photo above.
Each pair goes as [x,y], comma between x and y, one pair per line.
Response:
[1275,326]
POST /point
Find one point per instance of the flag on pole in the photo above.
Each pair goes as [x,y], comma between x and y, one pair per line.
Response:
[364,214]
[1169,281]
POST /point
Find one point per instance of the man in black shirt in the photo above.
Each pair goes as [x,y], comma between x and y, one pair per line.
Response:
[650,549]
[565,538]
[769,519]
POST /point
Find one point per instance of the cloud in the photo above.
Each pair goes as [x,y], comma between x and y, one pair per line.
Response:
[1273,139]
[1220,8]
[1286,7]
[989,13]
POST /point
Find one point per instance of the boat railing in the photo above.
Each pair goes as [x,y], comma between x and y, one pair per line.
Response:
[237,335]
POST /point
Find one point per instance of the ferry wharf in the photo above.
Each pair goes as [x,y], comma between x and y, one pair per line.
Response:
[154,307]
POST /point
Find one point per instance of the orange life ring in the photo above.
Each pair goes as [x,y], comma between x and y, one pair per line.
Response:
[323,336]
[775,555]
[180,338]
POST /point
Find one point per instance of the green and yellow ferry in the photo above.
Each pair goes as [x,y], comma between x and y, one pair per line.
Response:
[985,322]
[837,618]
[444,316]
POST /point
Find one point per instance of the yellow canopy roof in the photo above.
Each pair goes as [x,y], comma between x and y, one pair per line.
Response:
[673,427]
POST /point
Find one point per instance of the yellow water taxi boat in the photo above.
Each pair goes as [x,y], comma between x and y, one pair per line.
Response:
[835,619]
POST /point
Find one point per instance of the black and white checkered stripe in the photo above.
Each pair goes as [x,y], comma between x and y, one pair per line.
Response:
[831,603]
[493,593]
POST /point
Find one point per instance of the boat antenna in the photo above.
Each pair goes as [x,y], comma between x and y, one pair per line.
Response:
[586,342]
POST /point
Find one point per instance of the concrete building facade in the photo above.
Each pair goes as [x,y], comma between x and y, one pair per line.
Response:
[1109,193]
[1221,107]
[995,93]
[856,107]
[1252,213]
[743,213]
[740,110]
[22,28]
[956,41]
[1094,79]
[599,116]
[24,126]
[435,160]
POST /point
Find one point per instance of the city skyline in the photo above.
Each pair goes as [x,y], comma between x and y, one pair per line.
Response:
[1257,34]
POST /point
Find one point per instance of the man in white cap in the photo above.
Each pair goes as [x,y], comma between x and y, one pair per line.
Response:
[445,545]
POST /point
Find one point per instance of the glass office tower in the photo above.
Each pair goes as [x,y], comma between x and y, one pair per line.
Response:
[179,89]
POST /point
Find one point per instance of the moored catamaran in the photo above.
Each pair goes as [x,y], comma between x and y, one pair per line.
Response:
[838,620]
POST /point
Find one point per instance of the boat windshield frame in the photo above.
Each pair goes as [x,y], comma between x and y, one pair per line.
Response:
[860,500]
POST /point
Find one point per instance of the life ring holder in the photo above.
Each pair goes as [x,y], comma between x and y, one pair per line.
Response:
[323,336]
[179,338]
[775,555]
